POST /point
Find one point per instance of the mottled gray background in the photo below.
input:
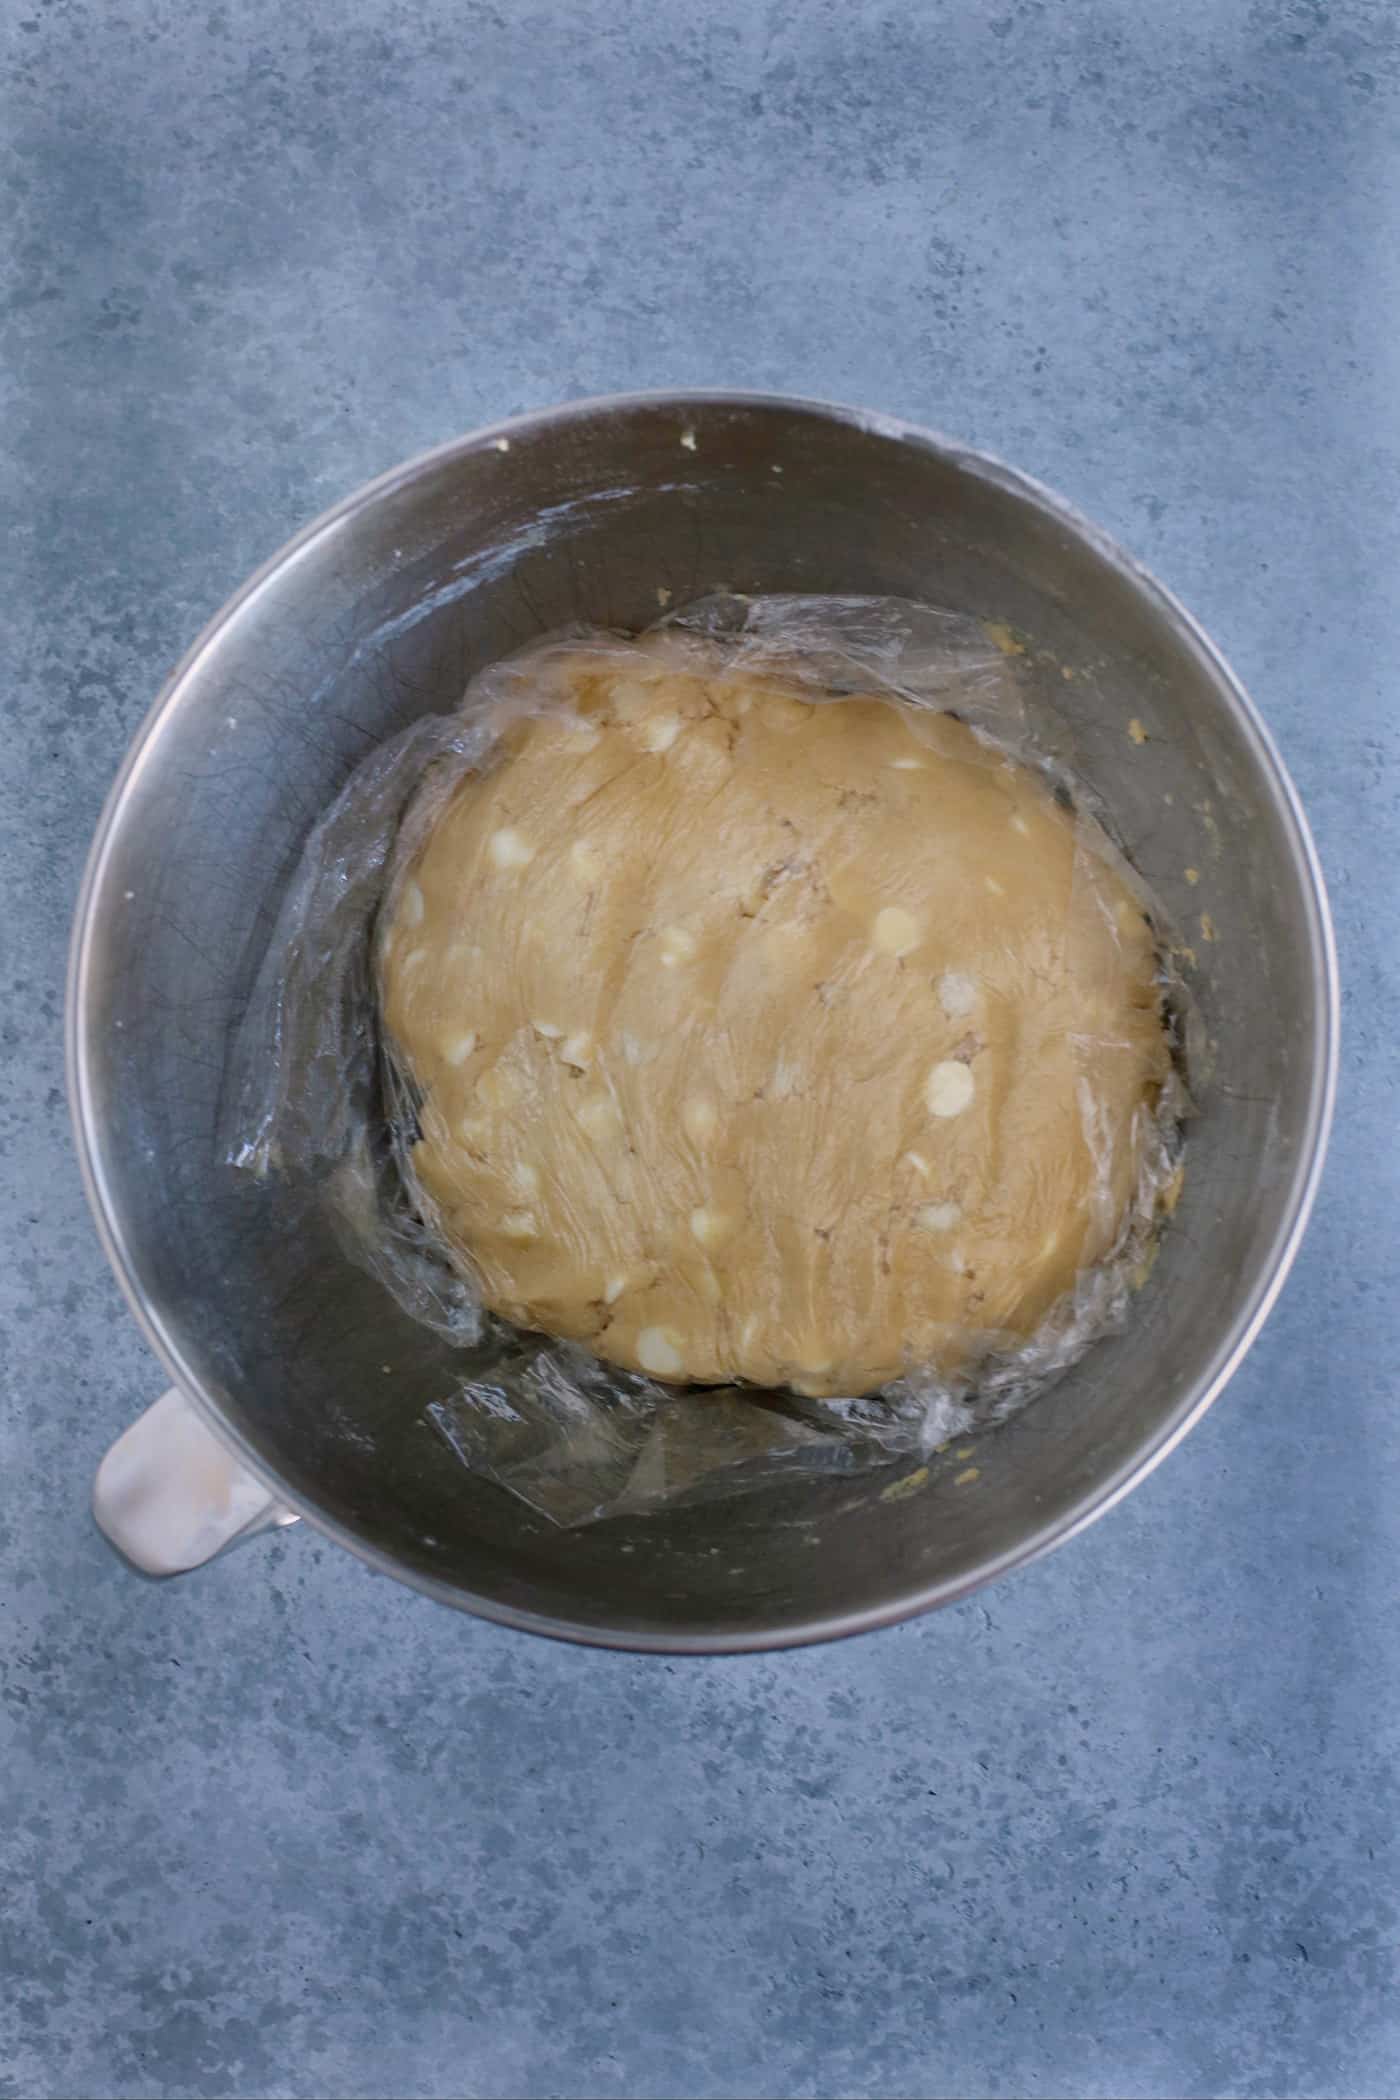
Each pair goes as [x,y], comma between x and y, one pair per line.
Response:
[1126,1824]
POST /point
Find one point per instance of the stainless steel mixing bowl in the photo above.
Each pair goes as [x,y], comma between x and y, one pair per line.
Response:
[383,609]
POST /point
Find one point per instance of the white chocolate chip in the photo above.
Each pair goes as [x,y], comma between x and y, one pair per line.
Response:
[688,440]
[525,1179]
[957,994]
[599,1116]
[577,1052]
[896,931]
[917,1161]
[613,1289]
[659,1351]
[499,1088]
[629,697]
[938,1217]
[786,1080]
[678,945]
[711,1227]
[411,909]
[907,765]
[949,1088]
[660,733]
[699,1119]
[1018,823]
[460,1048]
[509,849]
[520,1225]
[548,1030]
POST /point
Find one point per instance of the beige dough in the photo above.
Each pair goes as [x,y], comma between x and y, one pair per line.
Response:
[765,1038]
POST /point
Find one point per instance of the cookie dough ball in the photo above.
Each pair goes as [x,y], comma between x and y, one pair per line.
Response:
[766,1038]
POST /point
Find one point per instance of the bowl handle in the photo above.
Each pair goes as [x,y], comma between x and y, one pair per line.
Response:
[170,1496]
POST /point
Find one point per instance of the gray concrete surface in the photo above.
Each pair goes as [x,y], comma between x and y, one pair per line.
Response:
[1124,1825]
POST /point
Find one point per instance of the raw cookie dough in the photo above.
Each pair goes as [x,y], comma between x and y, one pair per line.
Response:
[766,1038]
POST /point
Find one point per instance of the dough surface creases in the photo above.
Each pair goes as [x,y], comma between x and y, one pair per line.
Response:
[763,1038]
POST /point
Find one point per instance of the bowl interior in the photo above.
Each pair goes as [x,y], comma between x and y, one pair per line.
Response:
[383,612]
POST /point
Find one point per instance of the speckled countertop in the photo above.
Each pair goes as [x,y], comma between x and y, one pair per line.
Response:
[1126,1824]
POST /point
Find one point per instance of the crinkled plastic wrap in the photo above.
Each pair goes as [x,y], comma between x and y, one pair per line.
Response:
[320,1098]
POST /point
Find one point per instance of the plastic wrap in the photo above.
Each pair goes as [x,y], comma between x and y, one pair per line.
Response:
[320,1095]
